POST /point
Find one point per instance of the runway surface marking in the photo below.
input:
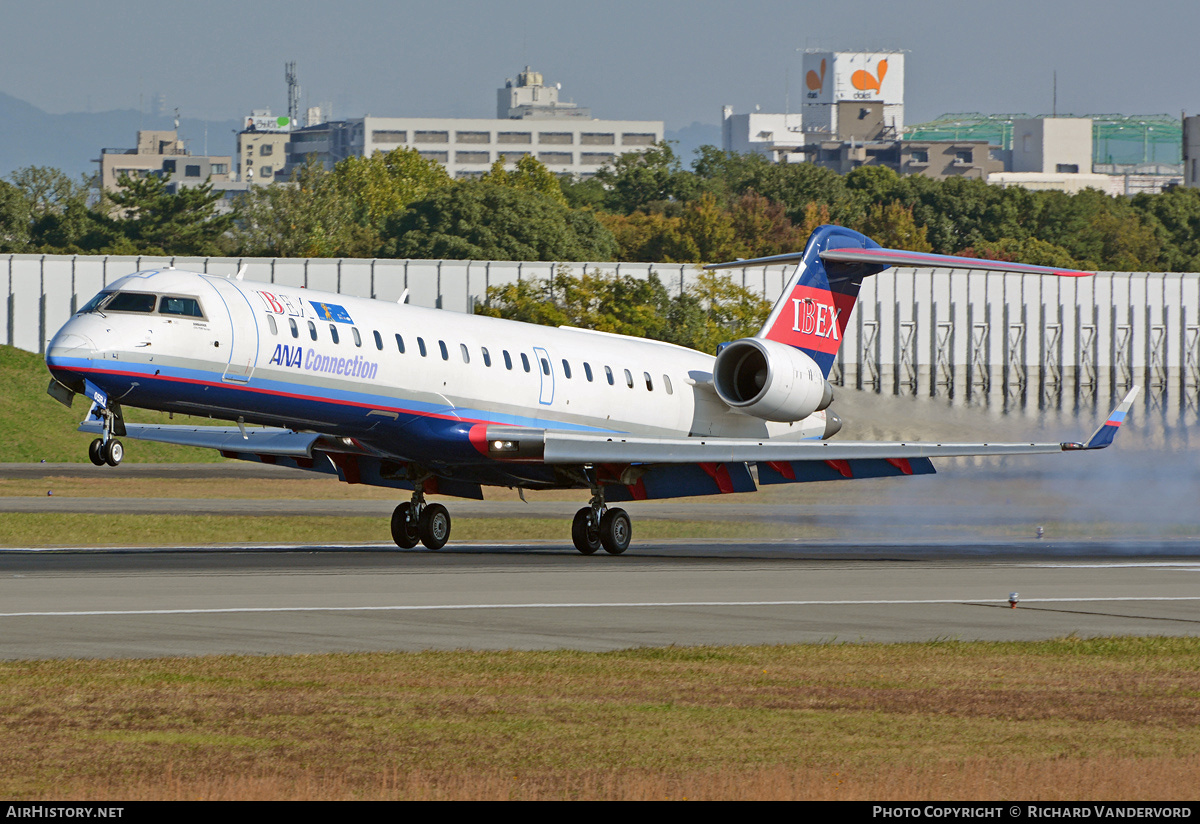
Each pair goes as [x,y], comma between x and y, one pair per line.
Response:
[1186,566]
[592,605]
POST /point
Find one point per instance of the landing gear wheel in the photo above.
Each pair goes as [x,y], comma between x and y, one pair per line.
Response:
[585,532]
[434,526]
[95,452]
[113,452]
[615,531]
[404,531]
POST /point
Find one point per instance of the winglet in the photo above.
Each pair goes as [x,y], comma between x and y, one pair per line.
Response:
[1104,435]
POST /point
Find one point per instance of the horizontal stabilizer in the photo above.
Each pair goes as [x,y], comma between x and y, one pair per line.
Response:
[923,260]
[790,257]
[268,441]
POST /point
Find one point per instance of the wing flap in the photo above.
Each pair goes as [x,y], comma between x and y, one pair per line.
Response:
[585,448]
[266,441]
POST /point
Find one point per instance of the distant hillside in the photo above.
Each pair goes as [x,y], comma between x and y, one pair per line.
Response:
[31,137]
[692,137]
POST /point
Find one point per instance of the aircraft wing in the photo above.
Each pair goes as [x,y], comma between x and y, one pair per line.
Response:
[271,441]
[563,447]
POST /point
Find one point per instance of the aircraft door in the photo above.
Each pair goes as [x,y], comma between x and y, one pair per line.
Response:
[243,338]
[545,368]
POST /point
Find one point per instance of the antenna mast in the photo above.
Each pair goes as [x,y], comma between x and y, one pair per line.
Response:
[289,74]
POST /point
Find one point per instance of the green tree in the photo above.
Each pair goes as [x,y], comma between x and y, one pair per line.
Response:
[705,234]
[483,221]
[14,218]
[1175,216]
[530,175]
[712,310]
[641,236]
[1030,250]
[638,180]
[763,226]
[184,223]
[307,217]
[893,227]
[385,183]
[55,216]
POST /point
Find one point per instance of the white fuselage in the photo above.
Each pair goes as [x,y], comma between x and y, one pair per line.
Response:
[261,347]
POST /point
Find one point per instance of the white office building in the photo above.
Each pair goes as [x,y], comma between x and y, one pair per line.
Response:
[561,135]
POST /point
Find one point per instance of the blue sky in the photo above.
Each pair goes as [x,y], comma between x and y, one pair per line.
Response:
[654,59]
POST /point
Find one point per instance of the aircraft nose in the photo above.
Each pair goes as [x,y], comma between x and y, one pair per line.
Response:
[70,349]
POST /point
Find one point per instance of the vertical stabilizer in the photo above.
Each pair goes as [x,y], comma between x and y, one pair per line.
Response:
[815,307]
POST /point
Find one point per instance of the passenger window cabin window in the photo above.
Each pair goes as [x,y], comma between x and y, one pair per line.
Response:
[667,385]
[587,371]
[545,366]
[421,346]
[507,360]
[378,340]
[312,330]
[487,358]
[649,383]
[445,351]
[466,355]
[566,369]
[271,323]
[525,361]
[295,330]
[333,333]
[400,343]
[628,378]
[608,373]
[357,337]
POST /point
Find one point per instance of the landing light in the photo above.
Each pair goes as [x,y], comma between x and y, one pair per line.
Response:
[504,446]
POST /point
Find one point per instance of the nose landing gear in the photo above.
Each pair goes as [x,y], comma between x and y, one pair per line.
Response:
[107,449]
[101,452]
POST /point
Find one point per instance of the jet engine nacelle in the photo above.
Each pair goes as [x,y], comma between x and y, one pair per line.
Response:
[770,380]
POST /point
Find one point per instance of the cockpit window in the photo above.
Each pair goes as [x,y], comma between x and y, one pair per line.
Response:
[131,302]
[95,302]
[169,305]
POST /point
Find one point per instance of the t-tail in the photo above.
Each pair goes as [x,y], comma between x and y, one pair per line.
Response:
[815,307]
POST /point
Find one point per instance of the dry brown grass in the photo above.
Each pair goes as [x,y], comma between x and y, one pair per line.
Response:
[1100,779]
[1104,718]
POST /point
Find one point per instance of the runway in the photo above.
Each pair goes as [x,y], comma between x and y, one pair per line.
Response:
[194,601]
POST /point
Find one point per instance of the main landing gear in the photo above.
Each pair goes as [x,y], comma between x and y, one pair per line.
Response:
[597,526]
[419,522]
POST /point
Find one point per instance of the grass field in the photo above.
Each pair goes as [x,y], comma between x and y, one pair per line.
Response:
[1070,719]
[51,530]
[39,428]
